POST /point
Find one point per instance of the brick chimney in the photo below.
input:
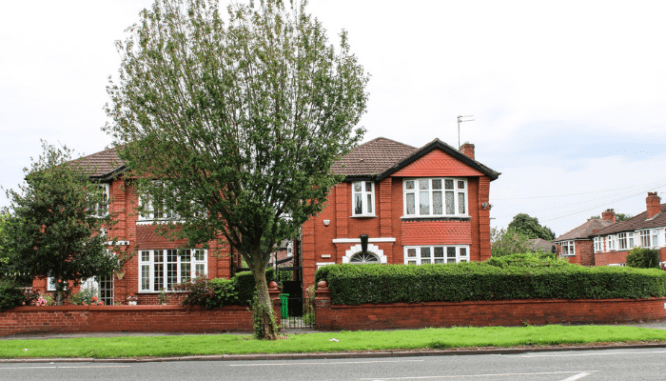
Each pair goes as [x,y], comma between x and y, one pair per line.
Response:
[609,215]
[653,203]
[467,149]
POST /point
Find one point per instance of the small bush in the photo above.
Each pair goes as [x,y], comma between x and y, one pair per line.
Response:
[11,296]
[643,258]
[214,293]
[86,297]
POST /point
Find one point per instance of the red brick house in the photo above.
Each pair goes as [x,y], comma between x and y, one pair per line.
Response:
[576,244]
[607,242]
[647,229]
[416,206]
[413,205]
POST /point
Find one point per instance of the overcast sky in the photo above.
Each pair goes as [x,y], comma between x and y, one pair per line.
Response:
[568,97]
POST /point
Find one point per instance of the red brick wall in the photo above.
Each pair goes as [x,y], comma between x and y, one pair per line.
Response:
[584,253]
[486,313]
[611,257]
[66,319]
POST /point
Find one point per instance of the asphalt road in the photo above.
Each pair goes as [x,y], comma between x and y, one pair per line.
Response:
[611,364]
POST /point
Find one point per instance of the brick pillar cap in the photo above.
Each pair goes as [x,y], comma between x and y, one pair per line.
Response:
[322,284]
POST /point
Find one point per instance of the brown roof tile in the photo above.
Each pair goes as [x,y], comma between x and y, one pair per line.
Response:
[585,230]
[635,223]
[373,157]
[102,163]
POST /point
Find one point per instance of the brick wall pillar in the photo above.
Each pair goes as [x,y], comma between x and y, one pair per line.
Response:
[274,294]
[323,307]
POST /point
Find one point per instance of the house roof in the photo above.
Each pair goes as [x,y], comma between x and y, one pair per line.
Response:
[101,164]
[540,243]
[378,159]
[638,222]
[381,157]
[585,230]
[373,157]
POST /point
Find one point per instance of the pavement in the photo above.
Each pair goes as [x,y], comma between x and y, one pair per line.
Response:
[327,355]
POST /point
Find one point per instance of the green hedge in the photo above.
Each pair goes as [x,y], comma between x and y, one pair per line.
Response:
[506,278]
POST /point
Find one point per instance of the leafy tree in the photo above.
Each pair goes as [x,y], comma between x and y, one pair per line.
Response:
[619,217]
[50,230]
[530,227]
[239,120]
[507,242]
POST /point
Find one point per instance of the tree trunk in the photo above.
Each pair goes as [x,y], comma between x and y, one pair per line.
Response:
[268,329]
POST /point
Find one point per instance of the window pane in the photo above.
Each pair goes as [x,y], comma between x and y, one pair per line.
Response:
[424,202]
[411,207]
[439,252]
[145,277]
[172,275]
[358,203]
[198,255]
[409,184]
[425,261]
[451,252]
[159,256]
[439,261]
[450,207]
[425,252]
[369,204]
[461,184]
[424,184]
[185,257]
[436,184]
[185,272]
[158,277]
[411,252]
[448,184]
[145,256]
[368,187]
[463,251]
[461,203]
[450,260]
[357,187]
[172,255]
[437,202]
[411,262]
[201,270]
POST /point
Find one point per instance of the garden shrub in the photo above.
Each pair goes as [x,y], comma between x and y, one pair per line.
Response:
[214,293]
[643,258]
[11,296]
[85,297]
[246,287]
[505,278]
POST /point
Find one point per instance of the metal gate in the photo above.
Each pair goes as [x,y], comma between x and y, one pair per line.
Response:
[298,312]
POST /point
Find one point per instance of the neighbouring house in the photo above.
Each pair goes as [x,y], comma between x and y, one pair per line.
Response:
[576,244]
[648,230]
[606,242]
[402,205]
[397,204]
[540,244]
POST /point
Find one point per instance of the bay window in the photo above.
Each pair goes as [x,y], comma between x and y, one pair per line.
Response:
[363,198]
[425,255]
[568,248]
[160,270]
[434,197]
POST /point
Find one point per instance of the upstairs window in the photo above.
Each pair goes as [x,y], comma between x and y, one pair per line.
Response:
[363,198]
[102,209]
[435,197]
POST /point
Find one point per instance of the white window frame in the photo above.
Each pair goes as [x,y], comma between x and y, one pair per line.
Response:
[147,258]
[622,243]
[645,238]
[611,242]
[630,240]
[364,193]
[461,254]
[655,238]
[103,211]
[568,248]
[416,191]
[598,244]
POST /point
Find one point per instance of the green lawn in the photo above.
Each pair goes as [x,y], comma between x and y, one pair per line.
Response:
[163,346]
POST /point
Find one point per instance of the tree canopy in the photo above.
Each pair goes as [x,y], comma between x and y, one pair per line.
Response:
[53,224]
[239,120]
[530,227]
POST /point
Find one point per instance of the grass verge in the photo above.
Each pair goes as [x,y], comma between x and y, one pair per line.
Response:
[462,337]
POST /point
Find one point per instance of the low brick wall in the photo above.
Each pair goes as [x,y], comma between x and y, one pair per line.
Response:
[69,319]
[485,313]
